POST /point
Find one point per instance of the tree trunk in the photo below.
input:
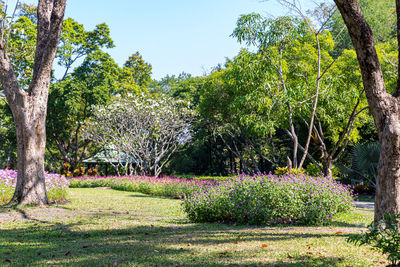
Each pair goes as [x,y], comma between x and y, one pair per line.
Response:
[383,106]
[31,139]
[327,164]
[387,198]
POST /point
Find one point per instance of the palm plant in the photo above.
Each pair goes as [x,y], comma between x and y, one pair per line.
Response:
[364,159]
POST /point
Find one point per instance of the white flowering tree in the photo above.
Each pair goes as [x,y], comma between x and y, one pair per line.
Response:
[142,130]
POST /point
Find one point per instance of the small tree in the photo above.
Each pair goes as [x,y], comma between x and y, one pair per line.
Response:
[143,130]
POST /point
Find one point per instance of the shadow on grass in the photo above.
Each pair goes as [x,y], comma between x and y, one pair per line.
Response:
[144,245]
[307,260]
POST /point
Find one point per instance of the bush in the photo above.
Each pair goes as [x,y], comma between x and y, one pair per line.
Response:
[285,171]
[269,199]
[56,185]
[382,236]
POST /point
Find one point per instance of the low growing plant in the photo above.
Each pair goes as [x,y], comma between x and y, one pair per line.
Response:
[269,199]
[383,236]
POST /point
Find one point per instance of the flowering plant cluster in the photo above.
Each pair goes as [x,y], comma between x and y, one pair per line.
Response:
[269,199]
[161,186]
[56,185]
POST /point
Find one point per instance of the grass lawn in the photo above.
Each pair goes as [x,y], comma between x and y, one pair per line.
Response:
[103,227]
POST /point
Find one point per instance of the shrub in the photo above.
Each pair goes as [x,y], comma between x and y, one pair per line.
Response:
[269,199]
[56,185]
[382,236]
[285,171]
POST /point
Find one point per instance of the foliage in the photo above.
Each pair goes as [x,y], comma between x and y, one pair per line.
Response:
[135,75]
[56,186]
[92,83]
[366,159]
[383,235]
[269,199]
[163,186]
[285,171]
[76,42]
[313,170]
[364,164]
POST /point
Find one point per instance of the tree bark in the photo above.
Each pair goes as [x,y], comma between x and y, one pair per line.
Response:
[29,107]
[383,106]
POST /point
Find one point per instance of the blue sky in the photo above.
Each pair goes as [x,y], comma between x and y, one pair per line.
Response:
[173,35]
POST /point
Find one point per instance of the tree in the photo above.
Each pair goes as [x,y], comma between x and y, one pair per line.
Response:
[92,83]
[384,106]
[135,74]
[301,80]
[29,107]
[143,130]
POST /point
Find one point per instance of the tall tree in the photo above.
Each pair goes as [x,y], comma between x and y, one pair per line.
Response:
[384,107]
[92,83]
[29,107]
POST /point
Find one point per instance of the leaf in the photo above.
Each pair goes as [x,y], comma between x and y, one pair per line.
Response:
[264,245]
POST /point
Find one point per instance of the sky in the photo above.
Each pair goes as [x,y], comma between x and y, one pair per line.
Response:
[174,36]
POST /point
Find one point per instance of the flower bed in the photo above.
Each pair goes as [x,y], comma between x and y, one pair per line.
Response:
[163,186]
[269,199]
[56,185]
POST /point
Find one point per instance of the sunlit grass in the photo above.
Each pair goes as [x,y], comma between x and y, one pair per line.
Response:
[103,227]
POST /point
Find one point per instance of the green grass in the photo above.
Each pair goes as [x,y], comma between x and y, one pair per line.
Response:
[366,198]
[103,227]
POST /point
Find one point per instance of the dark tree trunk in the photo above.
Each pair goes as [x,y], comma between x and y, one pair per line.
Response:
[327,165]
[383,106]
[29,107]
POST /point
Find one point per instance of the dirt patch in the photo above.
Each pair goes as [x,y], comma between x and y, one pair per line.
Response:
[41,214]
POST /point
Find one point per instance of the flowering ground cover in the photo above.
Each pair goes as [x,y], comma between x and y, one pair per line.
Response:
[162,186]
[56,185]
[269,199]
[109,227]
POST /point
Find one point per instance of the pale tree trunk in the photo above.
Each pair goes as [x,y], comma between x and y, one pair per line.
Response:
[29,107]
[383,106]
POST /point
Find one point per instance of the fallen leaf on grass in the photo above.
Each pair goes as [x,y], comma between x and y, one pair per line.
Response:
[264,245]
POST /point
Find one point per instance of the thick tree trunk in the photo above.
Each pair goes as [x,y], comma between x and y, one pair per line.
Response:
[383,106]
[387,198]
[31,137]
